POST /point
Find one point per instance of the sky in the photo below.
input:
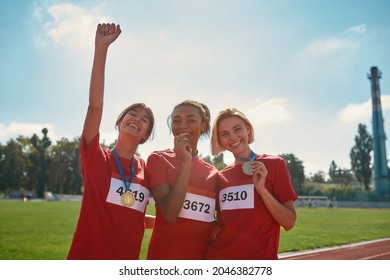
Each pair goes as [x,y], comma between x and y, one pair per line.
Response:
[298,69]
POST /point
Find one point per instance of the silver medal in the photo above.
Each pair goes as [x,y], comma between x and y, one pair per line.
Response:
[247,168]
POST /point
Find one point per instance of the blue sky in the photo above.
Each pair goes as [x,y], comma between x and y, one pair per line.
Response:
[298,69]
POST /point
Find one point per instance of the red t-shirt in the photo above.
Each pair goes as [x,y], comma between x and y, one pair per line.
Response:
[106,229]
[248,229]
[189,236]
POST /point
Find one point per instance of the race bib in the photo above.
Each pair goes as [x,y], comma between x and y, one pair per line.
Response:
[198,207]
[237,197]
[117,189]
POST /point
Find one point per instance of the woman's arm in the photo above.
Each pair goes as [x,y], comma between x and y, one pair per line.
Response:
[284,214]
[105,35]
[169,199]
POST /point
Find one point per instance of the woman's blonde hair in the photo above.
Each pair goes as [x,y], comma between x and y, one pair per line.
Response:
[216,147]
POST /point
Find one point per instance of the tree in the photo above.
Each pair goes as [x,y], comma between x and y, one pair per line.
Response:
[319,177]
[332,171]
[64,173]
[218,162]
[361,157]
[296,170]
[13,166]
[207,159]
[29,182]
[2,171]
[343,176]
[40,158]
[339,175]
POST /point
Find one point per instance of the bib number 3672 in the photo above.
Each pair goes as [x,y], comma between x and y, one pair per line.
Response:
[198,207]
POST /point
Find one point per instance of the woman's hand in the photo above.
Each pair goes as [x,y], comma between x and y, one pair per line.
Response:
[182,147]
[106,33]
[260,173]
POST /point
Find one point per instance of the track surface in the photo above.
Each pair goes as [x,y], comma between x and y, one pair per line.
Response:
[370,250]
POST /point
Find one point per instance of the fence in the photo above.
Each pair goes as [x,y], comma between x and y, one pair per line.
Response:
[314,201]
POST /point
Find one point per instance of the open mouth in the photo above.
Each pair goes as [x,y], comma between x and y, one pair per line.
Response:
[235,144]
[183,134]
[133,126]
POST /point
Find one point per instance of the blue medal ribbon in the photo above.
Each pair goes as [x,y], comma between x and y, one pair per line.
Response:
[251,158]
[118,163]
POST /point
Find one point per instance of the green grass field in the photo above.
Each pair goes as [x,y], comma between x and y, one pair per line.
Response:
[44,230]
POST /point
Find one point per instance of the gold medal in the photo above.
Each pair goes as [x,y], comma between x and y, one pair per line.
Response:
[247,168]
[127,199]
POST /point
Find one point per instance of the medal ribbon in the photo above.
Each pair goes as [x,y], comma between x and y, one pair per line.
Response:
[251,158]
[118,163]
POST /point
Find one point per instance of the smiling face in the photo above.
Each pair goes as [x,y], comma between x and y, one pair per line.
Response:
[136,121]
[233,135]
[235,117]
[187,119]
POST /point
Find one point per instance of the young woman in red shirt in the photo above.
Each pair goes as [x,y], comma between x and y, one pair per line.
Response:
[183,187]
[255,198]
[112,217]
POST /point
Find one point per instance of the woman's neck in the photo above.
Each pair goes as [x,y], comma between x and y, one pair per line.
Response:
[127,150]
[194,151]
[244,155]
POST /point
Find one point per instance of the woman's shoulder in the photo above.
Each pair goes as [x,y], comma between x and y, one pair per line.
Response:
[270,158]
[139,159]
[165,153]
[161,155]
[227,170]
[272,162]
[206,164]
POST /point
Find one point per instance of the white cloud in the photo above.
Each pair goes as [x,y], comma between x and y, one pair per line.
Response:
[16,129]
[69,23]
[326,57]
[158,59]
[269,111]
[385,101]
[355,113]
[357,29]
[326,47]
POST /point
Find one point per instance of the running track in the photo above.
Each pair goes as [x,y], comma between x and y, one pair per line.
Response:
[369,250]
